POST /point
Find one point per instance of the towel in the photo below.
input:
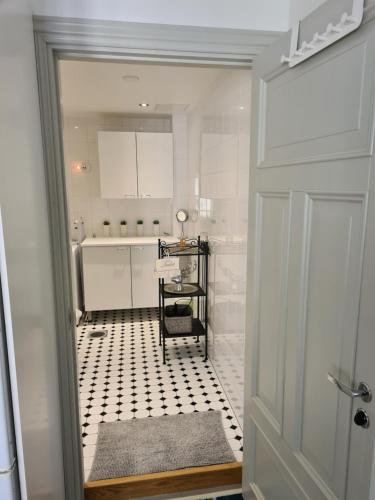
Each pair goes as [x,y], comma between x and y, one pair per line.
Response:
[167,268]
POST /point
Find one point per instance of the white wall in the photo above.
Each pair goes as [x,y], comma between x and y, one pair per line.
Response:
[29,296]
[83,189]
[219,148]
[245,14]
[298,9]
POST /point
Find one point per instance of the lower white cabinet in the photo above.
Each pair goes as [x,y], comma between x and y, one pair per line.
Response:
[106,278]
[119,277]
[144,285]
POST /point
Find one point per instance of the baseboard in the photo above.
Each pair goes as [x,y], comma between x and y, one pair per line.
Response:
[184,480]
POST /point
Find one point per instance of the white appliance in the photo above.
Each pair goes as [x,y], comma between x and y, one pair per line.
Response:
[9,481]
[76,280]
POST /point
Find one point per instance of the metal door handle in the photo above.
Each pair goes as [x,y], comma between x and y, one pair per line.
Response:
[363,391]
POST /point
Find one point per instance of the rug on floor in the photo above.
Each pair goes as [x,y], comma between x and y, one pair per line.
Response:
[158,444]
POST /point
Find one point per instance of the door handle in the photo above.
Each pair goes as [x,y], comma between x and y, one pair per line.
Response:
[363,391]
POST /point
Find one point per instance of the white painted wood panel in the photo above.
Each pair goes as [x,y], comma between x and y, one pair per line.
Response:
[335,120]
[275,483]
[144,286]
[107,278]
[155,165]
[271,248]
[334,236]
[118,165]
[313,138]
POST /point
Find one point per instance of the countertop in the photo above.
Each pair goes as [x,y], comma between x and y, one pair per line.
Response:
[127,241]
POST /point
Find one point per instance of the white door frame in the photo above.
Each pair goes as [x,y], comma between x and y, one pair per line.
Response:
[62,38]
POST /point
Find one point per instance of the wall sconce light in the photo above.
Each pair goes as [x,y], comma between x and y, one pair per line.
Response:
[80,166]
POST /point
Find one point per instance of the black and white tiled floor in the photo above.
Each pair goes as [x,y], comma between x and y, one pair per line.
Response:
[122,377]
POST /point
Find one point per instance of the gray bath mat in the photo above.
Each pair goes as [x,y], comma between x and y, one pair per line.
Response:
[157,444]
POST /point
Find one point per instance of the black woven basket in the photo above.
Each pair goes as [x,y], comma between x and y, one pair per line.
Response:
[178,318]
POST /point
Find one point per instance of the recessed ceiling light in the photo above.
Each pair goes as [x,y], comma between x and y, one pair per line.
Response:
[242,108]
[143,105]
[76,127]
[130,78]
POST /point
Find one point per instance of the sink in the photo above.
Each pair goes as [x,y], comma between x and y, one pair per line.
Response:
[185,288]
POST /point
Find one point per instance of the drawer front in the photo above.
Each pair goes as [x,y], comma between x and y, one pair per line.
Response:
[107,278]
[144,285]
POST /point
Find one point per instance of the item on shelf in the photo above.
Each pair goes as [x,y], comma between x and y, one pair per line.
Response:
[106,228]
[156,227]
[167,268]
[182,217]
[123,228]
[140,229]
[178,317]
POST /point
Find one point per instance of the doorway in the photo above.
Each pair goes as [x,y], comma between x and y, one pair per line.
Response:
[115,114]
[116,41]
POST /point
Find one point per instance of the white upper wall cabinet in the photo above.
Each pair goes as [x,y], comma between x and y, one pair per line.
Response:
[118,165]
[135,165]
[155,165]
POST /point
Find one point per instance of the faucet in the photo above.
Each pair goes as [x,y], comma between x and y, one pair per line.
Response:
[178,281]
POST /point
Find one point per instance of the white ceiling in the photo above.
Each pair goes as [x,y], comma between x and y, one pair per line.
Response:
[100,87]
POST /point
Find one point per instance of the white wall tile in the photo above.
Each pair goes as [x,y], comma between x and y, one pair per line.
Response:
[84,201]
[218,153]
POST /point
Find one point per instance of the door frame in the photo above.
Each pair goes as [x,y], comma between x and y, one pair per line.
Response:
[66,38]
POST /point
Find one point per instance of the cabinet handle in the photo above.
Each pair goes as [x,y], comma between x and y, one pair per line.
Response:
[130,195]
[145,195]
[121,249]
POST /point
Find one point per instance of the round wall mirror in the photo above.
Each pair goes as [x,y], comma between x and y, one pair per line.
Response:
[182,215]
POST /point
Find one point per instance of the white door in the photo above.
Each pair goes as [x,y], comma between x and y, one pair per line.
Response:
[117,165]
[155,165]
[106,278]
[311,279]
[144,286]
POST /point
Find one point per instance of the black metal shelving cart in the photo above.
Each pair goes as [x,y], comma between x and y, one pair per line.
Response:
[199,250]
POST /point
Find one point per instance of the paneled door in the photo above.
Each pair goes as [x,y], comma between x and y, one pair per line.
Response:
[311,278]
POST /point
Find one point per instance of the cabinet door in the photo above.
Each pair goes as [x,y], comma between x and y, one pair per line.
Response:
[144,285]
[155,165]
[118,164]
[107,278]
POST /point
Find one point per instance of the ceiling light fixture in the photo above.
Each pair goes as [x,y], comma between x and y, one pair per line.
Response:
[143,105]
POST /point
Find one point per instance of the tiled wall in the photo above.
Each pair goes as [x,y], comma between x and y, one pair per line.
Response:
[81,144]
[219,147]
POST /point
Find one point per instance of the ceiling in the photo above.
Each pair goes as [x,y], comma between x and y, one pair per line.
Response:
[110,87]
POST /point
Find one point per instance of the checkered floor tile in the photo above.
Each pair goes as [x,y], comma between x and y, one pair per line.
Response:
[122,376]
